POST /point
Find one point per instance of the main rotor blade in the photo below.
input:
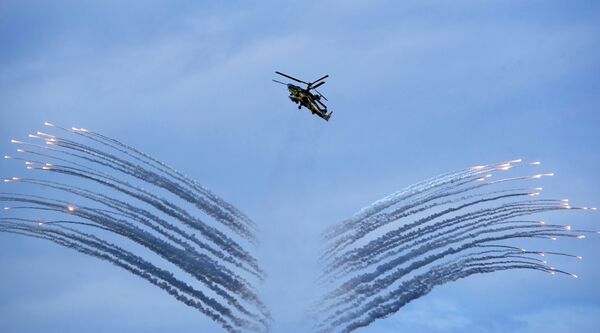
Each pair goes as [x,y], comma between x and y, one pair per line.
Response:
[324,106]
[324,77]
[285,84]
[317,85]
[290,77]
[325,98]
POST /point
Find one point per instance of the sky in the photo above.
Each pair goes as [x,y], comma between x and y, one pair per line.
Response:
[417,88]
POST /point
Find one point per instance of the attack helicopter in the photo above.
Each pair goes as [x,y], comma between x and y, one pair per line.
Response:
[304,96]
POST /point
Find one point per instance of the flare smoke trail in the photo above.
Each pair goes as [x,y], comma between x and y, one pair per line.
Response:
[446,228]
[122,203]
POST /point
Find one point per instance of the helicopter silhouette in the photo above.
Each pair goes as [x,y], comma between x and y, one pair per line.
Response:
[304,96]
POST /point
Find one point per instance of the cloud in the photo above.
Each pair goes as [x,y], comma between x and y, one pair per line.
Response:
[436,315]
[579,319]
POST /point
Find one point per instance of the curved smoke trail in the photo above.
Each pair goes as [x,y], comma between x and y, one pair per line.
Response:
[443,229]
[115,203]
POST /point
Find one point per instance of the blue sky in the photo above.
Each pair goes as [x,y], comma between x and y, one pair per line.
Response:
[417,88]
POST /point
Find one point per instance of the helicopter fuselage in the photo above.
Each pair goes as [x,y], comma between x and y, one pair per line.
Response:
[304,96]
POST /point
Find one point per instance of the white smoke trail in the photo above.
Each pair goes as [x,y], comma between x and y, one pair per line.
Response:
[221,268]
[444,229]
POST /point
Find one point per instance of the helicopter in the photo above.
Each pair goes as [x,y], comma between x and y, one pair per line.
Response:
[304,96]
